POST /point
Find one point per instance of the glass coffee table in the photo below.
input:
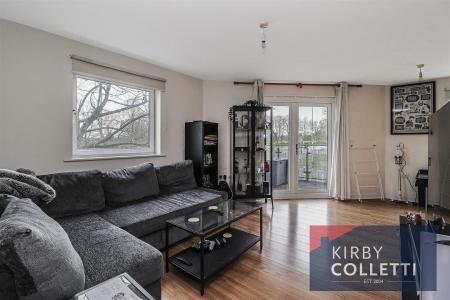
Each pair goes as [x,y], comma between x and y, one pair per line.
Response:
[213,223]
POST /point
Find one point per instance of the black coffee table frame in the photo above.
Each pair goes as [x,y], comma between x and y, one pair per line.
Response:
[207,264]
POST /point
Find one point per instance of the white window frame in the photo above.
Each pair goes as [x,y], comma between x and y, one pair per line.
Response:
[153,150]
[294,102]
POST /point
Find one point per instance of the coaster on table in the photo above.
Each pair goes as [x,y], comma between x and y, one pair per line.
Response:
[193,220]
[227,235]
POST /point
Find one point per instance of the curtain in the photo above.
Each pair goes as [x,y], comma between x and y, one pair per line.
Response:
[259,85]
[339,184]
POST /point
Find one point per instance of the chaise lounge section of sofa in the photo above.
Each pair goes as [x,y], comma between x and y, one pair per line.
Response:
[115,220]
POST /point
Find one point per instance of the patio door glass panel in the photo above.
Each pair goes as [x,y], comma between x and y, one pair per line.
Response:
[301,148]
[312,147]
[280,147]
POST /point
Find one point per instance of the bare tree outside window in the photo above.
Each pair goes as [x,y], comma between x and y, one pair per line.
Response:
[280,131]
[112,116]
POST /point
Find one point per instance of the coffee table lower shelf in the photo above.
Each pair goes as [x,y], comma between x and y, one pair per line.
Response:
[219,258]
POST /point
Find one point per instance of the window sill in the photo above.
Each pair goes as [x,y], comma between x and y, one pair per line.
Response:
[111,157]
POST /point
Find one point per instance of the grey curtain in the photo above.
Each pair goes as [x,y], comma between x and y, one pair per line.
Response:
[339,184]
[259,85]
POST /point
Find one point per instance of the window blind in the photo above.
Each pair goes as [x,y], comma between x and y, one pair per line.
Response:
[86,66]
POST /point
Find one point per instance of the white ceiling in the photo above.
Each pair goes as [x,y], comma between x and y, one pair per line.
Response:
[371,42]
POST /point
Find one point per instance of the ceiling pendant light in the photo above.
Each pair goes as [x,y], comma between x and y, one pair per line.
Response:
[420,66]
[263,26]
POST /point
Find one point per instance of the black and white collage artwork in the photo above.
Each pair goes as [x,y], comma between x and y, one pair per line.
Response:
[411,107]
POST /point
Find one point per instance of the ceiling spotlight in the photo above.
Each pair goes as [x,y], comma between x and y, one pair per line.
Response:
[420,66]
[263,27]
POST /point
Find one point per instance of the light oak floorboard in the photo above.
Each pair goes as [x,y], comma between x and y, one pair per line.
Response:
[281,270]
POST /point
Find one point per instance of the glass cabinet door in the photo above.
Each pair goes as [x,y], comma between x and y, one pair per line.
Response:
[252,154]
[263,120]
[242,148]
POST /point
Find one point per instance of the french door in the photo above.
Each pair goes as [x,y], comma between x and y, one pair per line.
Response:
[301,148]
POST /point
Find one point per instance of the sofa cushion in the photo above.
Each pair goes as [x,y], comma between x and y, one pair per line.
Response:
[76,193]
[39,253]
[129,184]
[107,250]
[146,217]
[176,177]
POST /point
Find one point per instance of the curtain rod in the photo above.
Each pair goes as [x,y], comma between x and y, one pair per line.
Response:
[296,84]
[297,96]
[89,61]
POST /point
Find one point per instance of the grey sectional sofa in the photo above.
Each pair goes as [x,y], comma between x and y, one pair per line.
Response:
[115,220]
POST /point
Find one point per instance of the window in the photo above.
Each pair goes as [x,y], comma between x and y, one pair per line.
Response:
[112,118]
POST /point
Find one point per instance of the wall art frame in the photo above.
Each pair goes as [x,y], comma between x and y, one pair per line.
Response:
[411,107]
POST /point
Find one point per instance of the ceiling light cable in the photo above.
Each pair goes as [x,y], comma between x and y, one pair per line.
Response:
[263,27]
[420,66]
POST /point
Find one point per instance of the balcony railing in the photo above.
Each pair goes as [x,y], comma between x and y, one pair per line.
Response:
[312,162]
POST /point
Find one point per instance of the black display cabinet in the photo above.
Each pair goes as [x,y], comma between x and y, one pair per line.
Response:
[251,138]
[201,146]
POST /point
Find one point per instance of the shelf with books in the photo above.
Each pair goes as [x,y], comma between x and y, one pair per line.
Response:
[202,147]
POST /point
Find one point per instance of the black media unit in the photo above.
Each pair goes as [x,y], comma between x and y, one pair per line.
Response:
[202,147]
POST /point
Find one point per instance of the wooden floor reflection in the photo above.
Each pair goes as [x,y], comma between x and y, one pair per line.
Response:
[281,270]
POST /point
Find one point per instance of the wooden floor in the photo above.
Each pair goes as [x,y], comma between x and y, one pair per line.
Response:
[281,270]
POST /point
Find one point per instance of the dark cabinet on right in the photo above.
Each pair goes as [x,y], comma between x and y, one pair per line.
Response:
[251,139]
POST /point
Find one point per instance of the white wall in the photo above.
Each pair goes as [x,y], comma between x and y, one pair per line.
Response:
[367,128]
[416,147]
[36,101]
[367,117]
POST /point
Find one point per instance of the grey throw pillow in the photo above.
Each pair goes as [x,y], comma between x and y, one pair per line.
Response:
[176,177]
[130,184]
[39,253]
[76,193]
